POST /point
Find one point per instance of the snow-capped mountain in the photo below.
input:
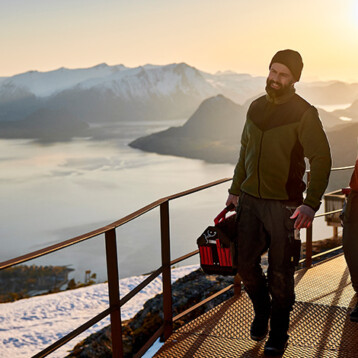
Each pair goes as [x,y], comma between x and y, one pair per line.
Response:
[145,81]
[141,81]
[117,93]
[44,84]
[107,93]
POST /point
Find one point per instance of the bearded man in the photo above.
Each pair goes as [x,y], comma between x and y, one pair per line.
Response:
[281,129]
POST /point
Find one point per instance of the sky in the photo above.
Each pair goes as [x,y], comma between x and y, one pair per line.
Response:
[220,35]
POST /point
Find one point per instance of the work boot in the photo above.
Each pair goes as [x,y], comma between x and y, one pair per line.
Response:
[259,326]
[262,308]
[353,316]
[276,344]
[278,337]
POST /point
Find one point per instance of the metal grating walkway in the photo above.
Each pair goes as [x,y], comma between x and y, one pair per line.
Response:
[319,327]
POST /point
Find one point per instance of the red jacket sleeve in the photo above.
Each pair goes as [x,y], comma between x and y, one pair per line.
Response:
[354,180]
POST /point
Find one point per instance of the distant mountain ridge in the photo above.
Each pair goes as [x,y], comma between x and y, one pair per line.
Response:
[117,93]
[230,84]
[122,79]
[108,93]
[44,84]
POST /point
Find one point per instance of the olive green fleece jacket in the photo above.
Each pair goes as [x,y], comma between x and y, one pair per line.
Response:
[277,136]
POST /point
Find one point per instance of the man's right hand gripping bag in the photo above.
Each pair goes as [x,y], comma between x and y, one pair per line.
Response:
[217,246]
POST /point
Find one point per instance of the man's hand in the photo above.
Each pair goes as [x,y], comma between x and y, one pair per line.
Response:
[304,216]
[232,199]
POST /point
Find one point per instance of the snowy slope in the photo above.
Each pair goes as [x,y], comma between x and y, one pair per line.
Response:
[143,82]
[43,84]
[30,325]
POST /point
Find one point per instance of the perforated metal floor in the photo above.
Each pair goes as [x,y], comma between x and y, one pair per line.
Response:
[319,325]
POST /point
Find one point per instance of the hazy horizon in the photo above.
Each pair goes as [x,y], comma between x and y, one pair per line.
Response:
[307,79]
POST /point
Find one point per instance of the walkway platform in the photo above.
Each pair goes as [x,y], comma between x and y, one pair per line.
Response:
[320,326]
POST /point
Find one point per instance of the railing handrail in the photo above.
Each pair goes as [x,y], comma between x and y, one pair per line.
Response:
[327,213]
[342,168]
[75,240]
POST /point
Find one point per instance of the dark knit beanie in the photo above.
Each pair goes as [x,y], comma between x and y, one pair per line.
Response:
[290,58]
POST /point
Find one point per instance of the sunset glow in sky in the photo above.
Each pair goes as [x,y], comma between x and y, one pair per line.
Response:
[237,35]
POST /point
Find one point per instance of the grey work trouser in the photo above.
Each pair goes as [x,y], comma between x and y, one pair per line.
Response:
[350,237]
[266,225]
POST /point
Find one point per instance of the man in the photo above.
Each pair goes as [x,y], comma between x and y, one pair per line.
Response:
[350,236]
[281,129]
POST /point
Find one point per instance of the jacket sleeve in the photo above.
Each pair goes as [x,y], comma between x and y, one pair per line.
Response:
[316,149]
[240,172]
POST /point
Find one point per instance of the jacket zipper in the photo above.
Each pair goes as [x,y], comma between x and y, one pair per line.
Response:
[258,167]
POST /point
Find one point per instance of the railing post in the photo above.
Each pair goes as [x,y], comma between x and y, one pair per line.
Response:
[308,261]
[237,285]
[113,291]
[167,284]
[309,231]
[335,232]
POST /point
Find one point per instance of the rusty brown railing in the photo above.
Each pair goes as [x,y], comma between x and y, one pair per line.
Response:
[115,303]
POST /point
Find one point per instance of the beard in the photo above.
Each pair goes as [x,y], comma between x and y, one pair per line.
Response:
[273,92]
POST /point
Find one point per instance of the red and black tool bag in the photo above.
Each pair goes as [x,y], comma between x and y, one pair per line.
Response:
[217,247]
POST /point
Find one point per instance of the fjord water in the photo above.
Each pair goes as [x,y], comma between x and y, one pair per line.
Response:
[52,192]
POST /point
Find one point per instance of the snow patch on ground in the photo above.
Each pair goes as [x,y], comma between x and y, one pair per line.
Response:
[30,325]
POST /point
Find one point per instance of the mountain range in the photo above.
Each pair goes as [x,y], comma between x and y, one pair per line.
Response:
[114,93]
[75,98]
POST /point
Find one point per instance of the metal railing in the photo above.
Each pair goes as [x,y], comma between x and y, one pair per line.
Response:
[115,303]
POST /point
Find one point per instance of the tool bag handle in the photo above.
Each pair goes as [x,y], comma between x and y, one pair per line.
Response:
[221,217]
[346,191]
